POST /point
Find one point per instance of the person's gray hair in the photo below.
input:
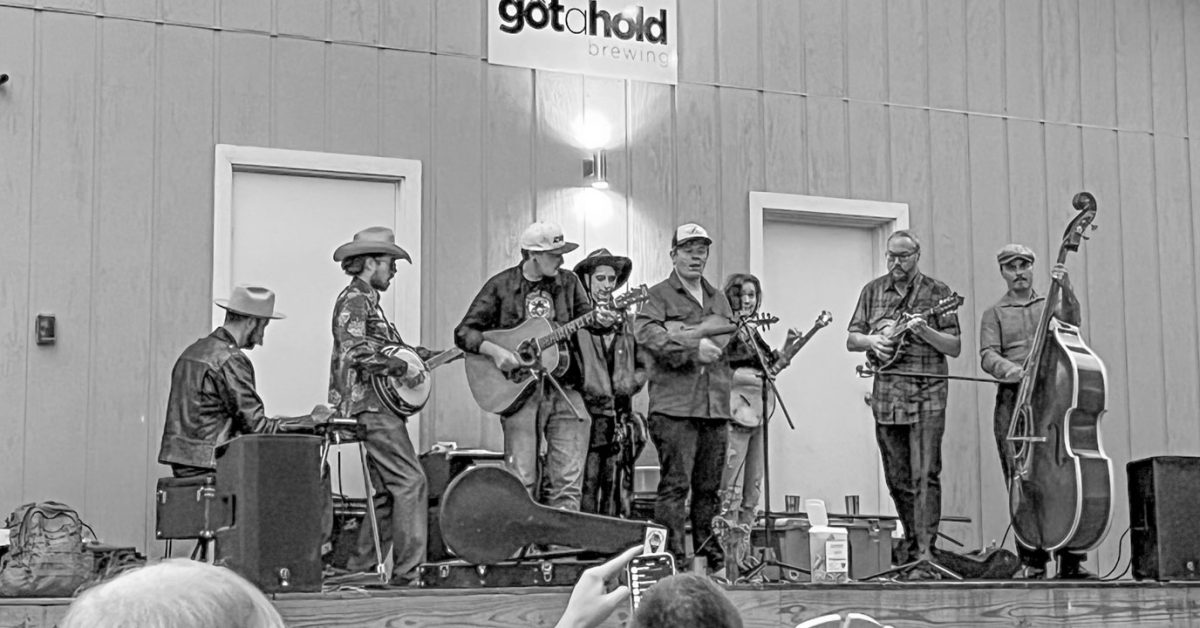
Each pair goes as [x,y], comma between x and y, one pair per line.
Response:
[905,233]
[174,592]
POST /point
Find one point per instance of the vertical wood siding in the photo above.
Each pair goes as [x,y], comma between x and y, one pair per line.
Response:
[984,116]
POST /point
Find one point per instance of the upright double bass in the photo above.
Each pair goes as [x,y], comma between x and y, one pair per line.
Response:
[1061,492]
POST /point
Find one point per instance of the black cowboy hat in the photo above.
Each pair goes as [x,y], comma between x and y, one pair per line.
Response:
[602,257]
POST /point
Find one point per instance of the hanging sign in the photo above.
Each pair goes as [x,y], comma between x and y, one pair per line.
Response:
[614,38]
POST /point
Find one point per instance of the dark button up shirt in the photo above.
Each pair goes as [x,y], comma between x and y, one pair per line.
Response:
[906,400]
[508,299]
[360,332]
[212,400]
[1006,331]
[679,385]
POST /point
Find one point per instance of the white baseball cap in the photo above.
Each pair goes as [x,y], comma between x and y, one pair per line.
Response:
[546,237]
[688,232]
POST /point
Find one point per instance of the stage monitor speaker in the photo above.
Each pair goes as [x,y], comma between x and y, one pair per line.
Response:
[271,486]
[1164,508]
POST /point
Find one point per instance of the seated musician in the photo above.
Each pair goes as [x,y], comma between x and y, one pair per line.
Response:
[611,376]
[689,395]
[1005,332]
[360,333]
[538,286]
[910,412]
[741,481]
[213,397]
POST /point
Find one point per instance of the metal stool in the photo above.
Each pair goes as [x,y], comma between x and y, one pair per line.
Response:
[341,431]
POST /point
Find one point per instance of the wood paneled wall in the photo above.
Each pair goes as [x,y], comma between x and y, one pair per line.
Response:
[985,116]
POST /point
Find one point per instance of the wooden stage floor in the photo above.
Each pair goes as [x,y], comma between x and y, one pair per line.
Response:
[1009,603]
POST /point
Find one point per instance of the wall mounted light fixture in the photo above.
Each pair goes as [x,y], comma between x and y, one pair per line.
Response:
[595,170]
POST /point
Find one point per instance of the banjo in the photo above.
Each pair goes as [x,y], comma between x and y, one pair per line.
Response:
[399,397]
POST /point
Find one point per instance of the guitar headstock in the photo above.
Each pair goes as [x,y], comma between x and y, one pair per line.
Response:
[761,320]
[823,320]
[640,294]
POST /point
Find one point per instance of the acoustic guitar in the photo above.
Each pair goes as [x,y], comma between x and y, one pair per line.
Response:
[897,330]
[395,393]
[535,343]
[487,516]
[746,386]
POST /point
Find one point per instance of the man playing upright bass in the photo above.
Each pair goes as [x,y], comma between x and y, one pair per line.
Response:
[1005,334]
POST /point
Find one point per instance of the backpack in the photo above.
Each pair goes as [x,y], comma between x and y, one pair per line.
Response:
[46,557]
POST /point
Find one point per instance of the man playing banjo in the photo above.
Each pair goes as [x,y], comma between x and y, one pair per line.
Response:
[361,333]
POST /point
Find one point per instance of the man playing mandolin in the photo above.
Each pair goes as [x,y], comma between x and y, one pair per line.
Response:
[361,333]
[680,330]
[1005,333]
[910,412]
[549,427]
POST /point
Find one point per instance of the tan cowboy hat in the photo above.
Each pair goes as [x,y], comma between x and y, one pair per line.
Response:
[371,241]
[602,257]
[253,301]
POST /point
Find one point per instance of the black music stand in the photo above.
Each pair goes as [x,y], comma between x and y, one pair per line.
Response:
[768,388]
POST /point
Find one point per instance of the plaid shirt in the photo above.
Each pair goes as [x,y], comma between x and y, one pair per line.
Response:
[360,332]
[906,400]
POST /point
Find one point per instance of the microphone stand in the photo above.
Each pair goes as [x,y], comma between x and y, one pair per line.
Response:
[751,337]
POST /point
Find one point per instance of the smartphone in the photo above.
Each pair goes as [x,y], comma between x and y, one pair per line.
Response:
[646,570]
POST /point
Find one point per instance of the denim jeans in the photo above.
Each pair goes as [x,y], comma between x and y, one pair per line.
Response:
[563,452]
[691,453]
[401,496]
[741,481]
[912,467]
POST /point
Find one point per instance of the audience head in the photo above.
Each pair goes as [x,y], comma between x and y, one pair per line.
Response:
[686,600]
[173,593]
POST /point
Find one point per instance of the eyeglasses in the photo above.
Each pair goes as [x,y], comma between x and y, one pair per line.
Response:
[901,257]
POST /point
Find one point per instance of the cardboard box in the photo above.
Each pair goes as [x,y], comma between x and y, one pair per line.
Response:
[870,543]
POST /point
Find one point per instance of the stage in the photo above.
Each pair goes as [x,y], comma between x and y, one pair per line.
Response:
[977,603]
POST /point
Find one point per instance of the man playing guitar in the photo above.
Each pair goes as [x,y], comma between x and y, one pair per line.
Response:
[550,426]
[361,334]
[910,412]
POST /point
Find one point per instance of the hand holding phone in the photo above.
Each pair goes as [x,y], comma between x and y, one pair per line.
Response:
[591,602]
[644,572]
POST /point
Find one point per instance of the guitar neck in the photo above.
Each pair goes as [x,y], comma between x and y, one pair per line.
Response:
[562,333]
[444,358]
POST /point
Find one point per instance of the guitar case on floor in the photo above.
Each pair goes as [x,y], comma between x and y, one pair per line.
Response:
[487,517]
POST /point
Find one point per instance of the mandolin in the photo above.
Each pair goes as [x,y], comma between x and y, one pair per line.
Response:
[897,330]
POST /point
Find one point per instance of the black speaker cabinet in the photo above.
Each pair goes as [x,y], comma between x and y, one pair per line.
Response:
[1164,516]
[271,486]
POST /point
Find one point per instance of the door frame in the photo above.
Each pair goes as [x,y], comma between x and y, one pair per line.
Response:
[230,159]
[883,217]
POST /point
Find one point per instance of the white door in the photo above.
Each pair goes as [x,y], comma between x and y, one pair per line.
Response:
[807,268]
[280,232]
